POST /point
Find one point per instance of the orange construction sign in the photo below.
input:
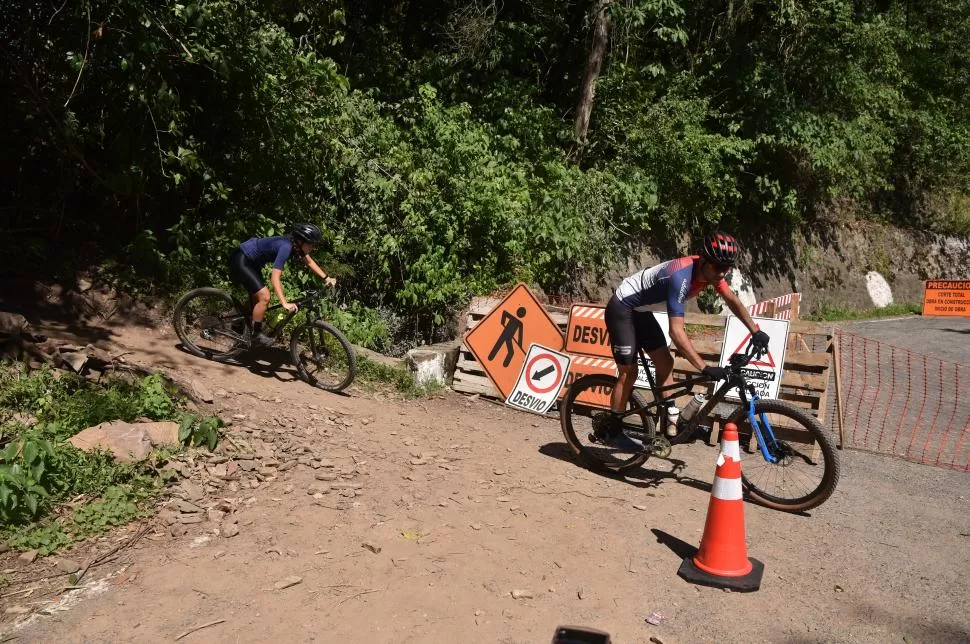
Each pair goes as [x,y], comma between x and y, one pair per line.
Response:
[586,332]
[502,338]
[583,366]
[947,297]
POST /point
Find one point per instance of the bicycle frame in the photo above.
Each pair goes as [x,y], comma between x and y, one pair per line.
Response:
[767,441]
[314,298]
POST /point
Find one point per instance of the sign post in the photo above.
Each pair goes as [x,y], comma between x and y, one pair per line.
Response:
[543,373]
[764,373]
[947,297]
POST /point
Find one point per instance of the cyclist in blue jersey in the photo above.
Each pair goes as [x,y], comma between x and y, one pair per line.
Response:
[631,326]
[247,262]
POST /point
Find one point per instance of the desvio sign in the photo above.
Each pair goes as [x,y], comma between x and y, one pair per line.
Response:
[588,341]
[586,332]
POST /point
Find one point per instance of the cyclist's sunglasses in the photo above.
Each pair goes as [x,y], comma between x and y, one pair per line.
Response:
[721,268]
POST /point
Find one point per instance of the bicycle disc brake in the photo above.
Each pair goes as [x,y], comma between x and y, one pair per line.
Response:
[660,446]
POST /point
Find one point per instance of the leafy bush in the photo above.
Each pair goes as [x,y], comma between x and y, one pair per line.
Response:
[39,470]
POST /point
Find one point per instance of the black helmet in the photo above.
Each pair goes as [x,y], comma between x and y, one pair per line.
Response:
[307,233]
[721,248]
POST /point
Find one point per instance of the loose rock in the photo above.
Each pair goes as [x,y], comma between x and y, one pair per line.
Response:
[186,507]
[202,392]
[289,581]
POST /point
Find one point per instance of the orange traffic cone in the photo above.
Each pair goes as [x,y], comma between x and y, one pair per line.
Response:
[722,560]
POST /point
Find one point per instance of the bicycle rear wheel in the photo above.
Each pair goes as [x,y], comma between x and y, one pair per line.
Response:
[583,424]
[210,325]
[808,467]
[323,356]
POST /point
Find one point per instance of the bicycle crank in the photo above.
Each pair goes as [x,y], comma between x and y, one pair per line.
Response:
[660,446]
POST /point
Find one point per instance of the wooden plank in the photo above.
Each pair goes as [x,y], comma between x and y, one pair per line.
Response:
[795,326]
[836,351]
[801,380]
[797,377]
[804,360]
[799,400]
[469,384]
[469,366]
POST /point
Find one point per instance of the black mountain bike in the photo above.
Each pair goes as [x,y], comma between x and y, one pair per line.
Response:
[212,324]
[788,460]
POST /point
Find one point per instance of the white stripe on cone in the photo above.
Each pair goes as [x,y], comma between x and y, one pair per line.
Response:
[726,489]
[731,449]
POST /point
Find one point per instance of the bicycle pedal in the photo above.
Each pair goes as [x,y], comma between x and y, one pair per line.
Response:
[660,447]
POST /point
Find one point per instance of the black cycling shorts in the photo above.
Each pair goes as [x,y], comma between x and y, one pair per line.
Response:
[245,272]
[631,330]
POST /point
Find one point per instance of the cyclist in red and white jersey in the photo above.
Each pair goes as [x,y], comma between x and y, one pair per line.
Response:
[631,326]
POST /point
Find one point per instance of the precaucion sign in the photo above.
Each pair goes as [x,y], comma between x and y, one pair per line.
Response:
[764,373]
[947,297]
[543,373]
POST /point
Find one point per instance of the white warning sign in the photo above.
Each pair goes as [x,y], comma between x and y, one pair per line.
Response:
[764,373]
[543,373]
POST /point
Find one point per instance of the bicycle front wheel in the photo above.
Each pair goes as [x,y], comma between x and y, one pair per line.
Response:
[323,356]
[583,413]
[209,324]
[807,466]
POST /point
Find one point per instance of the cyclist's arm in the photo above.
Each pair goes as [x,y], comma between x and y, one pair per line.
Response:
[739,309]
[679,335]
[678,289]
[313,266]
[274,279]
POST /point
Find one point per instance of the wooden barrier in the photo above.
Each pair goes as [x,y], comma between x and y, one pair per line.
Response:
[805,382]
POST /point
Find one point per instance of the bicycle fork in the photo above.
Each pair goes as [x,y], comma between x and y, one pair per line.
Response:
[761,426]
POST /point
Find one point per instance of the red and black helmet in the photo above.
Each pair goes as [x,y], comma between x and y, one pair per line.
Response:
[721,248]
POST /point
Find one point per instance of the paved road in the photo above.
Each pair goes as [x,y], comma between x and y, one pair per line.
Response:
[944,338]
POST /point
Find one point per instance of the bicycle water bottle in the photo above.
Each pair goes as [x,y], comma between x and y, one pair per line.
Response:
[693,406]
[673,416]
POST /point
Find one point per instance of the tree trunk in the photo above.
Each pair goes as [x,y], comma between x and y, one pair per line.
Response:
[601,33]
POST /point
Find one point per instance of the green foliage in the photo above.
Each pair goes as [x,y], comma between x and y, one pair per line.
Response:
[195,431]
[117,506]
[708,301]
[40,471]
[372,373]
[828,312]
[25,479]
[65,403]
[432,140]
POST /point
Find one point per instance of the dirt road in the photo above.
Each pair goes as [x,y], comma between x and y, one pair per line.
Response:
[460,502]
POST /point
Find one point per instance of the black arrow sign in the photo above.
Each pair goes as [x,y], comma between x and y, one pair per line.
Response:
[538,375]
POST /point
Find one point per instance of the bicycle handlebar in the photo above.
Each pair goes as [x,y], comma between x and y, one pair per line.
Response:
[741,360]
[306,296]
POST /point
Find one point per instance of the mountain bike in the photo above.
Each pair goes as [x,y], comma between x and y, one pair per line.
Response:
[788,459]
[214,325]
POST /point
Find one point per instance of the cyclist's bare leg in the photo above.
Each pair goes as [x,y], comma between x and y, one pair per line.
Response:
[663,361]
[261,298]
[627,375]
